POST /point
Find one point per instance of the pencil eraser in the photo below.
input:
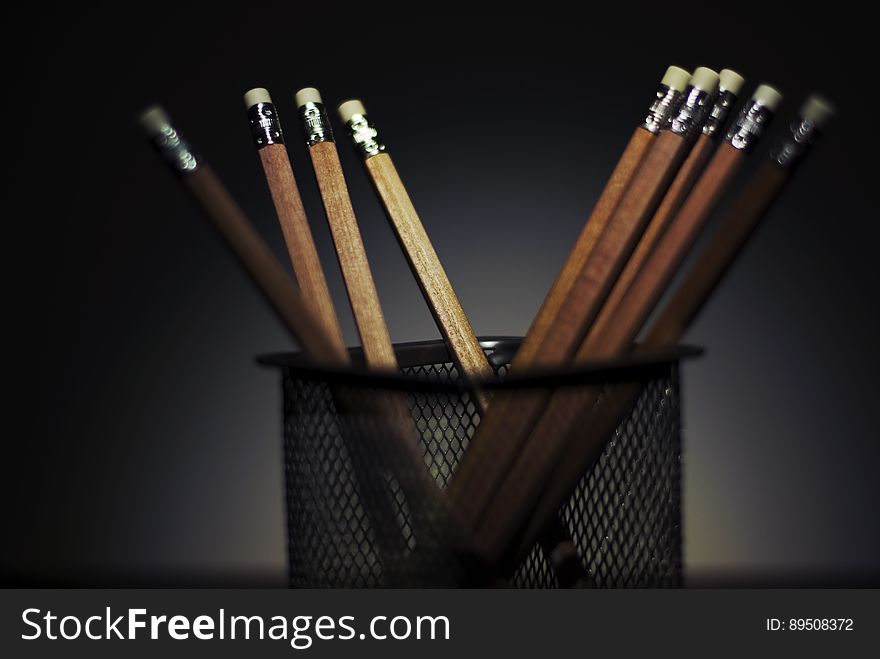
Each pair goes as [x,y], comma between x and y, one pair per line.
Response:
[704,79]
[256,95]
[731,81]
[818,110]
[676,78]
[350,108]
[307,95]
[154,120]
[768,97]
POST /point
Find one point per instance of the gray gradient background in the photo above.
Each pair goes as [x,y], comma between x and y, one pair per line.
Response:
[142,442]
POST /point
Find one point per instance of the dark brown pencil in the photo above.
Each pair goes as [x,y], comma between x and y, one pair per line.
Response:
[733,233]
[501,435]
[729,87]
[666,101]
[546,444]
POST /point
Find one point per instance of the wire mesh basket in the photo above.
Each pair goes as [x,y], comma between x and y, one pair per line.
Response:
[362,513]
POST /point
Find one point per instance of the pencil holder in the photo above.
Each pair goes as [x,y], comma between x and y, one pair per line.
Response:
[363,513]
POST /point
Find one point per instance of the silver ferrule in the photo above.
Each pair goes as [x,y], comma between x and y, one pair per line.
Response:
[177,152]
[724,103]
[662,109]
[316,125]
[364,136]
[749,126]
[792,148]
[692,112]
[265,125]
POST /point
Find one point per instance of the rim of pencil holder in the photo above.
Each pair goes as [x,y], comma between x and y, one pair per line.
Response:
[631,368]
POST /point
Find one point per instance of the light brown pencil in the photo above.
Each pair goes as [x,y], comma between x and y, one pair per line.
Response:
[269,140]
[356,272]
[715,260]
[500,437]
[463,345]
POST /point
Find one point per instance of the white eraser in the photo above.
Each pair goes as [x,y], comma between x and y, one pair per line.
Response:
[731,81]
[676,78]
[154,120]
[256,95]
[350,108]
[704,79]
[307,95]
[768,97]
[818,110]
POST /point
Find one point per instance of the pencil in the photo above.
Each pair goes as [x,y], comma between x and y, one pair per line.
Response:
[500,437]
[729,86]
[666,101]
[394,442]
[547,441]
[737,226]
[269,140]
[242,239]
[451,320]
[356,272]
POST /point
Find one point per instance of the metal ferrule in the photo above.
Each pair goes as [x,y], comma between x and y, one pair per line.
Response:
[662,109]
[364,136]
[724,103]
[316,125]
[265,125]
[749,126]
[692,112]
[175,150]
[796,144]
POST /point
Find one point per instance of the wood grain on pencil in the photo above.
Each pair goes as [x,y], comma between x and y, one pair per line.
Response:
[298,238]
[423,260]
[356,272]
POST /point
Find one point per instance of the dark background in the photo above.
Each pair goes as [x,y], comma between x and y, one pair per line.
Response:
[142,443]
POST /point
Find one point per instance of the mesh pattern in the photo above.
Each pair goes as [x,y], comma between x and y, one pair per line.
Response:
[624,517]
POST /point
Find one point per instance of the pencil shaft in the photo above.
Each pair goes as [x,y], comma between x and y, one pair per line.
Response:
[423,260]
[678,191]
[608,200]
[263,267]
[298,237]
[501,435]
[356,272]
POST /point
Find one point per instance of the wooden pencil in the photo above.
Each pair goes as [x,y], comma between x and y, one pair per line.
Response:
[243,240]
[666,101]
[500,437]
[451,320]
[547,442]
[356,272]
[391,437]
[729,87]
[269,140]
[714,261]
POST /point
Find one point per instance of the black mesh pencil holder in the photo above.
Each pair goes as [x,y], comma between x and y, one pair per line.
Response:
[364,512]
